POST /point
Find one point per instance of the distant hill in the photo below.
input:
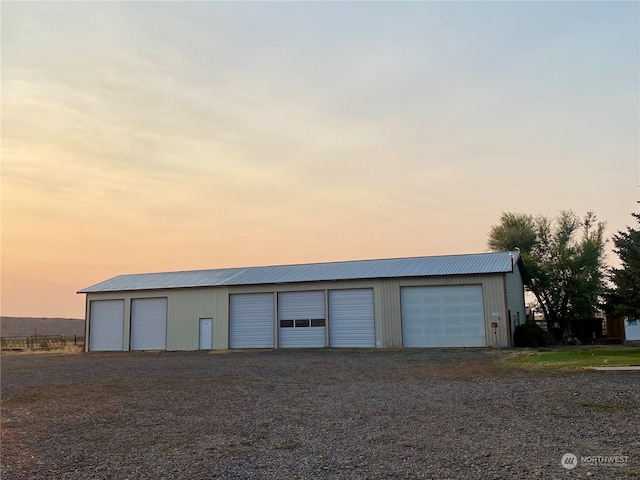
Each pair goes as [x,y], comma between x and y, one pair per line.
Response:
[26,326]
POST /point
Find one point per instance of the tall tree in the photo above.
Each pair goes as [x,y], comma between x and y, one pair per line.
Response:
[564,257]
[624,300]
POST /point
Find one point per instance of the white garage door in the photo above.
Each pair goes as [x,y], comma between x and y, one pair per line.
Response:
[301,318]
[251,318]
[351,318]
[443,316]
[149,324]
[106,325]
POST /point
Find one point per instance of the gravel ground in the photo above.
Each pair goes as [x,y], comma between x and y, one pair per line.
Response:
[343,414]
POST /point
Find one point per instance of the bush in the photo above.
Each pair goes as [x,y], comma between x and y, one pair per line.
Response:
[530,335]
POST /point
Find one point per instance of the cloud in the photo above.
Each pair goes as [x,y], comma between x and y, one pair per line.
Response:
[149,136]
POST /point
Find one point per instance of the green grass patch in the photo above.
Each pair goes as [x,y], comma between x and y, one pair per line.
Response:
[598,406]
[575,358]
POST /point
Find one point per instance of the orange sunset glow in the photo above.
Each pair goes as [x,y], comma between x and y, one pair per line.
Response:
[161,136]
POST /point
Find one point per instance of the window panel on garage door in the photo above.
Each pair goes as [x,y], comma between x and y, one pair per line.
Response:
[149,324]
[301,316]
[351,320]
[451,316]
[251,319]
[106,325]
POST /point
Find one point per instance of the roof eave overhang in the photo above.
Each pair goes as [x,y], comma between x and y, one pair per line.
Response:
[355,279]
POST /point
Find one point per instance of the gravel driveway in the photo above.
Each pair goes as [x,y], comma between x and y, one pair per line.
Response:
[343,414]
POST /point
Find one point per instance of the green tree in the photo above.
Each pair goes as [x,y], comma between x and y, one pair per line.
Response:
[624,299]
[564,258]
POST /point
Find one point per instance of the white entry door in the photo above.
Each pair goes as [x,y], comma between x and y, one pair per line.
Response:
[205,333]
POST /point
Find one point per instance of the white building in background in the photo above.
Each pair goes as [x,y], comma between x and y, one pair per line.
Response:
[631,329]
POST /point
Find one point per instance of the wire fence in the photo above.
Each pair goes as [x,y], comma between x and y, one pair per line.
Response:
[37,342]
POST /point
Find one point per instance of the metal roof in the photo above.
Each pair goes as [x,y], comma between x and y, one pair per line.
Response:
[469,264]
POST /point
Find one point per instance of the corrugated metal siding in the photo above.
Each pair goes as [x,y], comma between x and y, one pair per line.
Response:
[187,306]
[296,287]
[387,301]
[481,263]
[495,310]
[127,310]
[387,309]
[515,299]
[388,323]
[184,310]
[302,287]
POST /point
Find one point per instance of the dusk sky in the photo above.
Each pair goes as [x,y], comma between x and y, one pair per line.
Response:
[159,136]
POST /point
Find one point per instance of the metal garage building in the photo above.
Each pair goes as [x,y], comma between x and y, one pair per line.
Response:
[471,300]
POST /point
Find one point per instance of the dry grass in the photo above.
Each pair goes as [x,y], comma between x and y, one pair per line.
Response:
[69,349]
[574,357]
